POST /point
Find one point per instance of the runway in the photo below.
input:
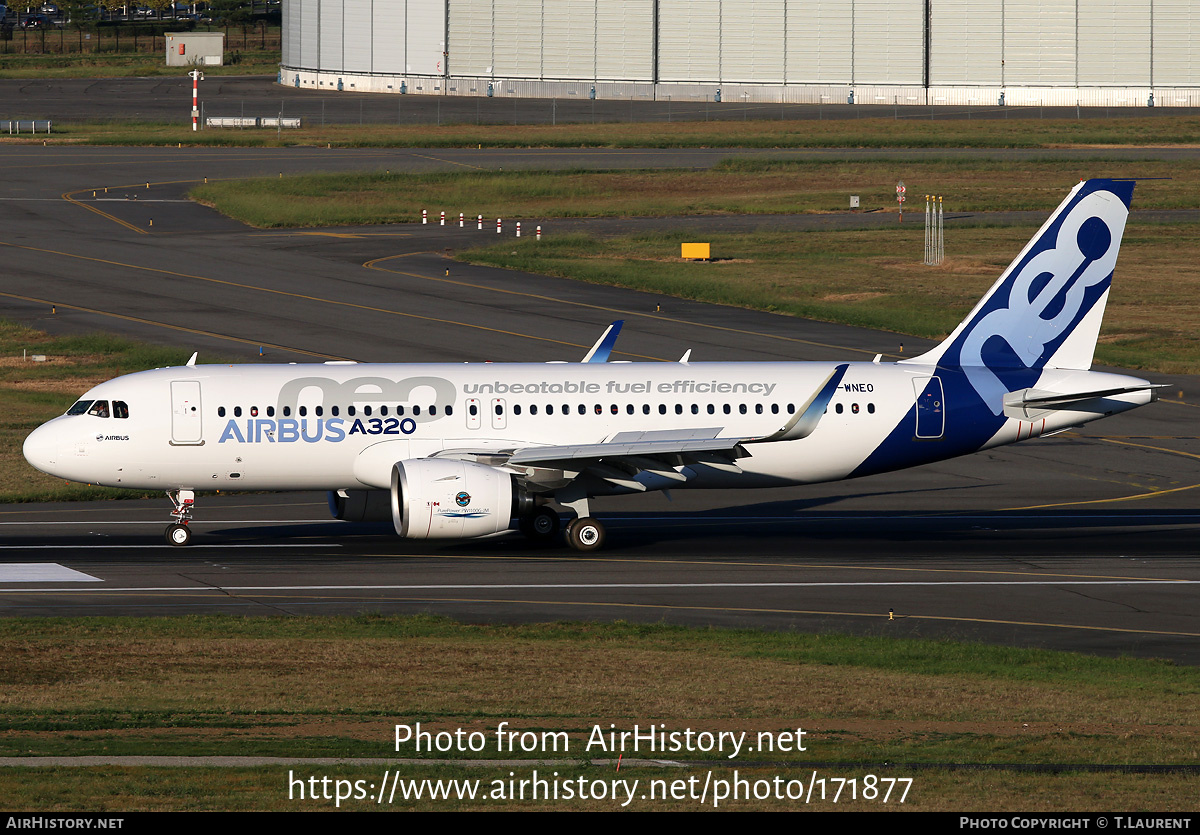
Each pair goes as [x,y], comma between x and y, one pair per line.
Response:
[1082,541]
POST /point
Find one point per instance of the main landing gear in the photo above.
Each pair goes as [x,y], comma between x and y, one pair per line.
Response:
[178,533]
[583,533]
[541,525]
[586,534]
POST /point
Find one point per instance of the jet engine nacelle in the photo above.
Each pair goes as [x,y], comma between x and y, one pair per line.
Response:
[360,505]
[436,498]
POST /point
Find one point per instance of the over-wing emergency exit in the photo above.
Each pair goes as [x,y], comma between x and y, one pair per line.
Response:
[470,450]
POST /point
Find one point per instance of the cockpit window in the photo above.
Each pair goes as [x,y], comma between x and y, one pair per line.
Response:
[120,409]
[80,408]
[99,408]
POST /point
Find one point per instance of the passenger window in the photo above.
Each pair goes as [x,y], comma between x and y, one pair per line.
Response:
[726,408]
[237,411]
[473,409]
[582,409]
[791,409]
[366,410]
[433,410]
[417,410]
[319,410]
[695,409]
[99,409]
[449,411]
[516,410]
[712,410]
[499,409]
[270,411]
[333,410]
[253,411]
[645,408]
[120,410]
[758,410]
[80,408]
[854,408]
[383,411]
[839,408]
[599,409]
[870,408]
[220,411]
[549,408]
[774,408]
[679,408]
[629,409]
[287,411]
[742,408]
[400,411]
[303,411]
[533,409]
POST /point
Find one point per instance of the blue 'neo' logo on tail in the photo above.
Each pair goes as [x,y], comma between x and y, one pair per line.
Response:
[1027,320]
[1043,312]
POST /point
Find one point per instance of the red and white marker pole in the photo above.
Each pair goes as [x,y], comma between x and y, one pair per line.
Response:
[196,76]
[480,221]
[518,228]
[443,219]
[539,233]
[424,216]
[497,226]
[460,220]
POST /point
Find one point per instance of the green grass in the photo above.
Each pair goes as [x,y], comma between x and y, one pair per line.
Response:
[876,129]
[733,187]
[33,392]
[875,279]
[311,687]
[126,64]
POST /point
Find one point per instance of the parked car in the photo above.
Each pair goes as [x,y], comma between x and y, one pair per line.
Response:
[35,21]
[50,9]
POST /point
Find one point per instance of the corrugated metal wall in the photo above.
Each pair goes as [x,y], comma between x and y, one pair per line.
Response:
[966,42]
[879,43]
[1176,32]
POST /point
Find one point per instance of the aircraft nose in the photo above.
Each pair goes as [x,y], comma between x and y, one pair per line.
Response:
[41,448]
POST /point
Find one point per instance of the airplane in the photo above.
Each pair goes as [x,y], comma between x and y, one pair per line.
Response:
[455,451]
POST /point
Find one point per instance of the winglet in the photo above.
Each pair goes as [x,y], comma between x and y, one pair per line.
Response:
[192,361]
[805,421]
[604,345]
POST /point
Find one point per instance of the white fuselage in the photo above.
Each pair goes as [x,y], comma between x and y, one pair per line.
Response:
[343,426]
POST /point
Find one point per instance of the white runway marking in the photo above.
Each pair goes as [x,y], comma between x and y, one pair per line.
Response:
[164,545]
[588,586]
[43,572]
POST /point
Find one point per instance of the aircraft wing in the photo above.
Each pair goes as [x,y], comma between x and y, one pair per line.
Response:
[622,458]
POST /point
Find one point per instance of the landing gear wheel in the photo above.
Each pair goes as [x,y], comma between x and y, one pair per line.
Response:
[585,534]
[178,535]
[541,525]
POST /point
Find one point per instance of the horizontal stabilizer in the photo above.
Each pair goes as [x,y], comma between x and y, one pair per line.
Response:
[1029,403]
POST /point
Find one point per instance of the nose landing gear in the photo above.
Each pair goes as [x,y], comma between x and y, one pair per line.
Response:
[178,533]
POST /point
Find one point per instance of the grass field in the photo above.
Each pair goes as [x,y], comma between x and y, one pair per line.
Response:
[33,392]
[872,278]
[876,129]
[875,279]
[736,186]
[337,687]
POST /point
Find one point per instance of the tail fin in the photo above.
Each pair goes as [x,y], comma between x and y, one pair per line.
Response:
[1045,310]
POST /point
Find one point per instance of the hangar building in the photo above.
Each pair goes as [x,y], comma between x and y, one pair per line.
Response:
[962,52]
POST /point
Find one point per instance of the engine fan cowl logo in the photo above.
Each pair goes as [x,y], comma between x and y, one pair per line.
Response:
[463,499]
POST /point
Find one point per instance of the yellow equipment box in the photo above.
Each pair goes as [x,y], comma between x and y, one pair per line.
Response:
[696,252]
